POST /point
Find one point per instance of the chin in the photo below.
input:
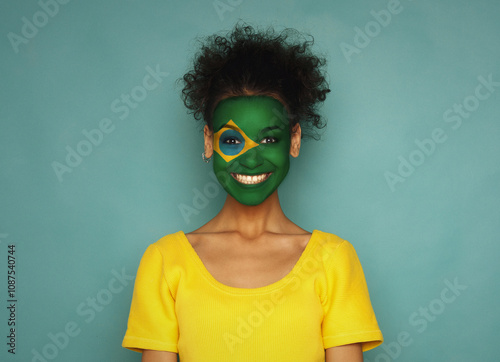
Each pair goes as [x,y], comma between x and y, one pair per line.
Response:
[251,201]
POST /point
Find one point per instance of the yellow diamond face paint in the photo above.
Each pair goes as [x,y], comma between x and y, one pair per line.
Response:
[231,142]
[252,146]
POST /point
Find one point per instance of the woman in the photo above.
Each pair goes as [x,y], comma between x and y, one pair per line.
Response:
[250,285]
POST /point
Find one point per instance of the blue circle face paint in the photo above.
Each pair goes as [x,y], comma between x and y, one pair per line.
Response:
[231,142]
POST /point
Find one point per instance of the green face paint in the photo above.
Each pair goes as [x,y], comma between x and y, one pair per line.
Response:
[252,147]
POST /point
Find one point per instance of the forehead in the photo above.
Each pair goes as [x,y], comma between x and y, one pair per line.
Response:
[250,113]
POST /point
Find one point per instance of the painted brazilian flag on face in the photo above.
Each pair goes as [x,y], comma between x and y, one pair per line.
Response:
[231,141]
[252,146]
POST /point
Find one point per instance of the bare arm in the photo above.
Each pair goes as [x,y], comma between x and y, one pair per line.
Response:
[347,353]
[158,356]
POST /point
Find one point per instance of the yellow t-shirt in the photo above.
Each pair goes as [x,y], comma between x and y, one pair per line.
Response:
[179,306]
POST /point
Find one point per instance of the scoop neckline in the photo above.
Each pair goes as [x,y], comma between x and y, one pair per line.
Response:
[237,290]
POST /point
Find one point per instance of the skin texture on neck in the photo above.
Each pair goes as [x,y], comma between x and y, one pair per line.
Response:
[251,222]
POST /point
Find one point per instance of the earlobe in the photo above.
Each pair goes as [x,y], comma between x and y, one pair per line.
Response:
[295,140]
[208,137]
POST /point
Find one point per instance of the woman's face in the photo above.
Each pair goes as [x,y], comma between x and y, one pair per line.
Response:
[252,146]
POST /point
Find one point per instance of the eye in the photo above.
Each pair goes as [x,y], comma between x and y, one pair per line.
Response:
[269,139]
[231,141]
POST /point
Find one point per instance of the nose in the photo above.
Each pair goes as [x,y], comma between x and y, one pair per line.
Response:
[251,158]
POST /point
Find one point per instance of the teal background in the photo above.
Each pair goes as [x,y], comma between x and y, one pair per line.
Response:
[73,235]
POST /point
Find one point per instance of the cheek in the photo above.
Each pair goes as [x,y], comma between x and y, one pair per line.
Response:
[279,156]
[221,172]
[220,164]
[223,168]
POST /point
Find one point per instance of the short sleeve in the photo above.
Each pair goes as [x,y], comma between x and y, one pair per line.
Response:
[152,322]
[349,316]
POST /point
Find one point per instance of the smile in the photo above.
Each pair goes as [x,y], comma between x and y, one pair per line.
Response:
[251,180]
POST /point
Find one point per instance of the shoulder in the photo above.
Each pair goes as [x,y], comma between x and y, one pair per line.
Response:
[166,257]
[167,247]
[334,249]
[330,243]
[169,240]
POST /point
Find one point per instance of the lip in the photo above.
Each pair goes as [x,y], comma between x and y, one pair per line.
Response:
[251,179]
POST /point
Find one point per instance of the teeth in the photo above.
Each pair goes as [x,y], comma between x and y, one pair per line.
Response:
[251,180]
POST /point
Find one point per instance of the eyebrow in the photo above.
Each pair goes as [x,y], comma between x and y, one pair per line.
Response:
[269,129]
[235,128]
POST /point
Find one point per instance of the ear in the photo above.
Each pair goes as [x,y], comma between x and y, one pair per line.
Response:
[208,136]
[295,140]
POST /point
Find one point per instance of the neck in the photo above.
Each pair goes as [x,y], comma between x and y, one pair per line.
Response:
[252,221]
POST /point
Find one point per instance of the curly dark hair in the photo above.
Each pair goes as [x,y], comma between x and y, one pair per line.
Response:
[250,62]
